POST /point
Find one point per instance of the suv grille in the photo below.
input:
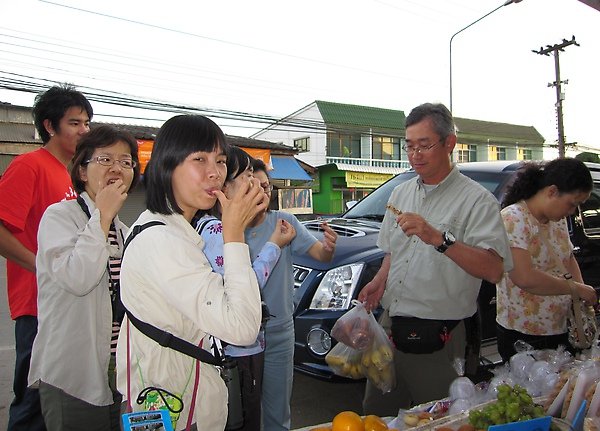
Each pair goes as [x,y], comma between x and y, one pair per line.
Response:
[340,230]
[300,274]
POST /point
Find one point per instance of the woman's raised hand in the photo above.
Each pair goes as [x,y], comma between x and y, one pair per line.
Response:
[238,211]
[283,233]
[109,199]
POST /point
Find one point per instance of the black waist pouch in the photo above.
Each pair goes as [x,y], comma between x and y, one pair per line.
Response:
[421,336]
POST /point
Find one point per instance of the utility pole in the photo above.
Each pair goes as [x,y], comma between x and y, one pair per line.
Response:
[555,49]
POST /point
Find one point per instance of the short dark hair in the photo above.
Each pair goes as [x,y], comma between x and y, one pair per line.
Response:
[567,174]
[178,137]
[259,165]
[101,137]
[440,116]
[53,104]
[237,162]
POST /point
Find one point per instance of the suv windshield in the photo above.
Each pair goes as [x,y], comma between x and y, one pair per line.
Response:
[373,205]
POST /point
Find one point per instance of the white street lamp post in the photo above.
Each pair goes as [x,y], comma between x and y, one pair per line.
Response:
[506,3]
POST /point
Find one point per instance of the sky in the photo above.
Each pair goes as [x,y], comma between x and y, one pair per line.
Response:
[270,58]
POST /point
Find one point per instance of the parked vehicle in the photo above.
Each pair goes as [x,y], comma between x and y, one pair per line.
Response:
[323,291]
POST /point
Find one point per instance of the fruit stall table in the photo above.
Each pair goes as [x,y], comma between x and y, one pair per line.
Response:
[328,424]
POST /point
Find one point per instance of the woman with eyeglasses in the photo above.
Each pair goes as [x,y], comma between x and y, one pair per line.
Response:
[79,253]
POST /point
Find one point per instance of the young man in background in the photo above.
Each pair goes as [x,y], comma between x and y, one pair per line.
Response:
[31,183]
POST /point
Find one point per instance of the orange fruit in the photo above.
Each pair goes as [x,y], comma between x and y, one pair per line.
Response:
[347,421]
[374,423]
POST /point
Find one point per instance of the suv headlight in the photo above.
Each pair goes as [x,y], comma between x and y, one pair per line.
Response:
[337,287]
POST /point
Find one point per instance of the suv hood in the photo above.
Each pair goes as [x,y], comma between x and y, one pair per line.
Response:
[356,237]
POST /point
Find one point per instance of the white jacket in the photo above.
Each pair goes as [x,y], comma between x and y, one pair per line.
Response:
[166,281]
[72,348]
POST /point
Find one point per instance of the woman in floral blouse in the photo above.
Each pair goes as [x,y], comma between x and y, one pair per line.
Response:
[533,299]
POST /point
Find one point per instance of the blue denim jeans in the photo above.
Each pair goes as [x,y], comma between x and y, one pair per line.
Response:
[278,377]
[25,411]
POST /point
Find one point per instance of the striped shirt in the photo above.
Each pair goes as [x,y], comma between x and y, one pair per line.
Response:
[114,270]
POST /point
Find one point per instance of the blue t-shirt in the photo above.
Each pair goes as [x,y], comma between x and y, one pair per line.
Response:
[278,292]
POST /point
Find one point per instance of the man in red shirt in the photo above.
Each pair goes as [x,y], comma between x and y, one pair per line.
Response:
[31,183]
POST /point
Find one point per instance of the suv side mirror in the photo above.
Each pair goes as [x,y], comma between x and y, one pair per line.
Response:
[350,204]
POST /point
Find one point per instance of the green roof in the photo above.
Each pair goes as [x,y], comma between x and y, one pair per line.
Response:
[477,132]
[360,116]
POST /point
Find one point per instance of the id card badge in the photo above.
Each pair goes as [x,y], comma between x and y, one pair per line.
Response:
[156,420]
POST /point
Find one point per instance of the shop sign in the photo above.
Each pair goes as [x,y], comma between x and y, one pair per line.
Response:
[144,152]
[365,180]
[260,153]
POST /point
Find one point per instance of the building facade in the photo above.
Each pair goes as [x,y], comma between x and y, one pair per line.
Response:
[357,148]
[291,177]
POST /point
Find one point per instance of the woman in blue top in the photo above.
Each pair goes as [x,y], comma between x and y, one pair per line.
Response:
[250,359]
[278,294]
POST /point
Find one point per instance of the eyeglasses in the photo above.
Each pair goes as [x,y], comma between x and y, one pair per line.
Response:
[109,161]
[268,188]
[420,148]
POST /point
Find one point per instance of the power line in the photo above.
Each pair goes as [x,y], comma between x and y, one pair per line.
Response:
[172,70]
[149,62]
[16,83]
[286,124]
[212,39]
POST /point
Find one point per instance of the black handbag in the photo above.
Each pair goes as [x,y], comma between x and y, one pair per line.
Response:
[421,336]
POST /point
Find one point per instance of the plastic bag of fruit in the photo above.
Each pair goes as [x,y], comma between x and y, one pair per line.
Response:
[378,360]
[345,361]
[354,328]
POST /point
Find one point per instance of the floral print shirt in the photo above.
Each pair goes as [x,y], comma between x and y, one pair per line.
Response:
[522,311]
[211,231]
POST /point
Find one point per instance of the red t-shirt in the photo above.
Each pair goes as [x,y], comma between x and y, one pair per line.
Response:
[31,183]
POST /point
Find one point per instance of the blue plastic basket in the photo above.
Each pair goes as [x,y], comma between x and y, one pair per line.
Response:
[537,424]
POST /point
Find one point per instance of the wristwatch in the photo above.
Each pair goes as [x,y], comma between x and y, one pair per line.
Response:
[449,239]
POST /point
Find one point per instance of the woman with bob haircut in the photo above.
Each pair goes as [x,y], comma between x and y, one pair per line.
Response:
[78,259]
[168,282]
[534,298]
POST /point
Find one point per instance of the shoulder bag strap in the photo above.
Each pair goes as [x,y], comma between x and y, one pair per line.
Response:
[164,338]
[139,228]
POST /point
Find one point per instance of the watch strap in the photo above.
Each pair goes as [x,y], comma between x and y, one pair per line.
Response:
[444,245]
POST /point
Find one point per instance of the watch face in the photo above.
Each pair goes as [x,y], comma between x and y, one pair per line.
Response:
[449,238]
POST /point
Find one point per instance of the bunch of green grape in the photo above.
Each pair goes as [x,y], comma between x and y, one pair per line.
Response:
[514,404]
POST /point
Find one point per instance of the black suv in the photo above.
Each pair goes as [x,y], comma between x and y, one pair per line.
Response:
[323,291]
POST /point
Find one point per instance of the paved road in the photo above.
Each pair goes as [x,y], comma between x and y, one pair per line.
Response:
[316,401]
[313,401]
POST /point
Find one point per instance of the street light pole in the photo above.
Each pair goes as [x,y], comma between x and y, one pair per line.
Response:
[506,3]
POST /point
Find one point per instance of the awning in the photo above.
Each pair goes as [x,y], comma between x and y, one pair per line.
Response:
[287,168]
[263,154]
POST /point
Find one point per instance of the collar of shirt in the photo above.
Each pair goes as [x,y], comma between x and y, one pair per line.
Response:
[450,178]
